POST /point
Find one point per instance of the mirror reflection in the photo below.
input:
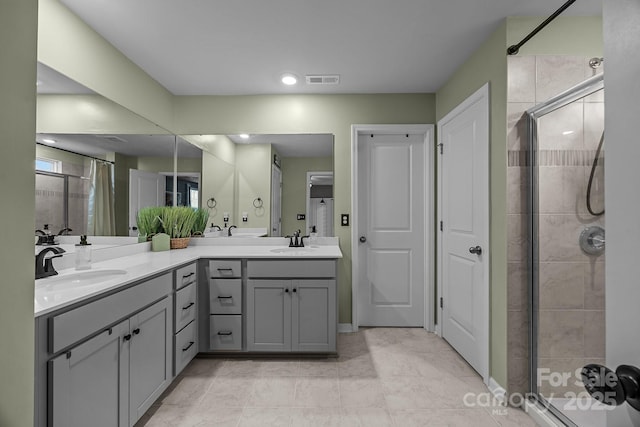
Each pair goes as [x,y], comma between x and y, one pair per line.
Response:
[261,181]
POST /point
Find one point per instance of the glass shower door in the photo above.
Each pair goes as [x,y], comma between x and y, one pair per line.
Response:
[567,235]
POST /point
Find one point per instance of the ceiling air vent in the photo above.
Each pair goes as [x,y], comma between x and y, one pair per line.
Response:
[112,138]
[332,79]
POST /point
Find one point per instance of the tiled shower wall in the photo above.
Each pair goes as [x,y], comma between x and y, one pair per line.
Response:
[571,283]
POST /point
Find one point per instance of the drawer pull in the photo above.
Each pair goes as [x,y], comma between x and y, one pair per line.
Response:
[188,306]
[225,333]
[189,346]
[188,275]
[221,297]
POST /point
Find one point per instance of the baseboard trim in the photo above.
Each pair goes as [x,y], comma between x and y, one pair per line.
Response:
[345,328]
[499,392]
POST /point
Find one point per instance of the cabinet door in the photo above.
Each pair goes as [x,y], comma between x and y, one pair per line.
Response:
[149,357]
[269,315]
[314,321]
[89,383]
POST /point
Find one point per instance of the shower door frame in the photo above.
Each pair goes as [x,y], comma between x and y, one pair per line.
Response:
[587,87]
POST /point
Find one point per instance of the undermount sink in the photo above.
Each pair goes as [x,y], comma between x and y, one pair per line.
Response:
[292,250]
[82,278]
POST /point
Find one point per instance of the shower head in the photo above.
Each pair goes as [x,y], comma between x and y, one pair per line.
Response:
[595,62]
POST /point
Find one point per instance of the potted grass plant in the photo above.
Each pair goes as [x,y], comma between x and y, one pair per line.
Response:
[148,222]
[200,223]
[177,222]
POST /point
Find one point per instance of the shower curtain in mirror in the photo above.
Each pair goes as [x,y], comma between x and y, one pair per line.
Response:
[101,215]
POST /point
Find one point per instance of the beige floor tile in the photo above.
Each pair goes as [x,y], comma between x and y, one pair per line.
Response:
[228,392]
[265,417]
[397,377]
[278,368]
[318,368]
[239,368]
[366,417]
[361,393]
[360,366]
[187,391]
[424,393]
[316,417]
[317,392]
[272,393]
[443,418]
[177,416]
[202,367]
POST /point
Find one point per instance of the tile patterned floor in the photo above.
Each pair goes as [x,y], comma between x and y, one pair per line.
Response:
[383,377]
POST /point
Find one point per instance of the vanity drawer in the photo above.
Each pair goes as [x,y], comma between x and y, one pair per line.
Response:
[303,268]
[225,296]
[225,268]
[186,347]
[186,275]
[185,306]
[225,332]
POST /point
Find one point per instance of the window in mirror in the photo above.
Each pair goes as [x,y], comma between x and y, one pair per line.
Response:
[48,165]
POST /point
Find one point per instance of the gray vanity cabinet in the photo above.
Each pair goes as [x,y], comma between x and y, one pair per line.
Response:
[269,315]
[185,326]
[114,377]
[97,364]
[291,306]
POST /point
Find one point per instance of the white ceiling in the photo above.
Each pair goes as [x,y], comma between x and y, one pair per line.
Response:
[229,47]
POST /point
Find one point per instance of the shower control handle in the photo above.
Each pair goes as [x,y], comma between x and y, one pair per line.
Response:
[475,250]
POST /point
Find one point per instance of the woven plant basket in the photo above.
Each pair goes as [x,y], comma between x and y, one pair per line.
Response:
[179,242]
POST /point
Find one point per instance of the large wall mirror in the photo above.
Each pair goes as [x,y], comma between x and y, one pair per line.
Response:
[96,160]
[262,181]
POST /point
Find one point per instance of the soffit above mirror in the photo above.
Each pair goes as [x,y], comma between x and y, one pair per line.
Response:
[292,145]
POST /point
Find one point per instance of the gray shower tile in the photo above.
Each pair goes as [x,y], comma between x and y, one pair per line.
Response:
[594,333]
[517,333]
[557,73]
[521,81]
[561,333]
[561,285]
[517,129]
[517,285]
[594,289]
[562,129]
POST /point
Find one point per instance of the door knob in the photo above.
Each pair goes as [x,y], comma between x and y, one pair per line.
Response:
[613,388]
[475,250]
[362,239]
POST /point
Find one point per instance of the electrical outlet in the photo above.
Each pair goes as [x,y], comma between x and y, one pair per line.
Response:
[245,216]
[344,220]
[301,217]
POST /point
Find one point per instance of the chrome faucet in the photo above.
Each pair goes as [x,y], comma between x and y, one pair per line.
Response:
[44,266]
[229,230]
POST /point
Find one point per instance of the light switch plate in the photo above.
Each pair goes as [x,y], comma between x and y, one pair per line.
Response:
[301,217]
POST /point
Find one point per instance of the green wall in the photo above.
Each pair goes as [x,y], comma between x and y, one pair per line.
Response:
[18,26]
[489,64]
[294,188]
[253,180]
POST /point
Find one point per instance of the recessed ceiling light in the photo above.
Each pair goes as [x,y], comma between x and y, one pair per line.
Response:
[289,79]
[49,141]
[244,135]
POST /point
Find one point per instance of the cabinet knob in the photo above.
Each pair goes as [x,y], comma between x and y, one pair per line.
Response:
[295,290]
[136,331]
[126,337]
[286,290]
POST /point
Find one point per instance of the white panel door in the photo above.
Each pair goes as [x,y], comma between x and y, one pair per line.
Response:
[145,189]
[464,136]
[391,226]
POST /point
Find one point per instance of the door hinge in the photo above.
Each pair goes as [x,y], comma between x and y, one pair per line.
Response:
[441,226]
[441,148]
[441,303]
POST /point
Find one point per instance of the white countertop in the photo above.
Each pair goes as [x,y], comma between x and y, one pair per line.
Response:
[136,262]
